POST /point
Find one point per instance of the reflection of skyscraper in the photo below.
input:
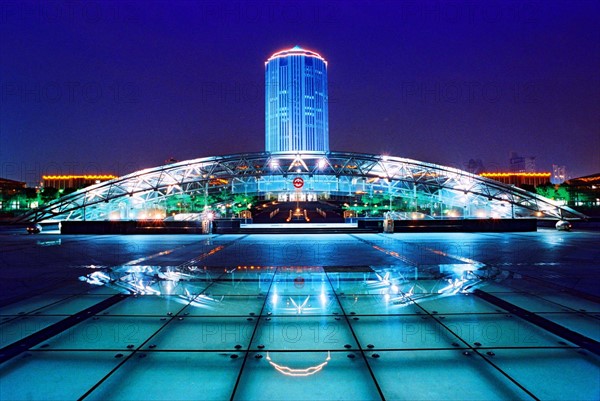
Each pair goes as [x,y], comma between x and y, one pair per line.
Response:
[296,115]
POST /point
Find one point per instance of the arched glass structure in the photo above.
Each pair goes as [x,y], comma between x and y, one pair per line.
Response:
[438,191]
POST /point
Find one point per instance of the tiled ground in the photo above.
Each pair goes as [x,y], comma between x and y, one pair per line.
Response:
[405,326]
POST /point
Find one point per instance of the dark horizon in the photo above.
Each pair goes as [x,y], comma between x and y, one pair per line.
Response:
[115,87]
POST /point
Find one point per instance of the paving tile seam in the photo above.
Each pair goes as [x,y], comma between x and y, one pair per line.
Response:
[364,356]
[300,350]
[241,371]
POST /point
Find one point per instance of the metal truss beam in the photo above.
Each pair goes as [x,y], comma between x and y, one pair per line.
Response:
[336,173]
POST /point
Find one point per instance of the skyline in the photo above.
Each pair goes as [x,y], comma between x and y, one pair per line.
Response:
[113,88]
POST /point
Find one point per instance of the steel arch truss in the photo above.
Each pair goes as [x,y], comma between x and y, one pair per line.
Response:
[443,191]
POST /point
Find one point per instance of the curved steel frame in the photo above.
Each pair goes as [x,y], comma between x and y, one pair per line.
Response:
[332,173]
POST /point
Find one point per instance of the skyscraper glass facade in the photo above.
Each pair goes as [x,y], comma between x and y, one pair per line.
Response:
[296,114]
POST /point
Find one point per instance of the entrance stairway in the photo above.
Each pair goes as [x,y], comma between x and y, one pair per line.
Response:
[310,212]
[311,218]
[316,229]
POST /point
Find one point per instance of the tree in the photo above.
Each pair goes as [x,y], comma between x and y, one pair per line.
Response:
[555,192]
[200,202]
[68,191]
[49,194]
[242,202]
[562,193]
[547,191]
[31,193]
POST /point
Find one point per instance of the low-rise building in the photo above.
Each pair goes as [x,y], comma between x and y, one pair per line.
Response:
[74,181]
[520,179]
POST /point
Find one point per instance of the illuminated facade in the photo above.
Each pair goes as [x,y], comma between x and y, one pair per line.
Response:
[296,110]
[297,150]
[519,179]
[74,181]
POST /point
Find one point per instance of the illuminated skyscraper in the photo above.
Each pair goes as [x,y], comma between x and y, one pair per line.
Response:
[296,115]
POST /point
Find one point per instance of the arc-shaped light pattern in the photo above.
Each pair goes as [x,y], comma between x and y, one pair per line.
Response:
[439,189]
[294,372]
[300,308]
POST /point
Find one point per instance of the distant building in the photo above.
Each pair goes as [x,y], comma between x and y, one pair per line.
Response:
[520,179]
[10,194]
[74,181]
[296,102]
[585,191]
[10,187]
[475,166]
[520,164]
[559,174]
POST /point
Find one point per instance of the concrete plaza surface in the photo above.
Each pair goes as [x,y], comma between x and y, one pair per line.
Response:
[395,316]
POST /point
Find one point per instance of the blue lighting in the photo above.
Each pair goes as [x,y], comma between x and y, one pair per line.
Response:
[296,110]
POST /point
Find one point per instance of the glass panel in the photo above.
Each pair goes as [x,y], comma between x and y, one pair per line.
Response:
[441,375]
[378,304]
[210,333]
[303,333]
[105,333]
[149,305]
[586,325]
[54,375]
[553,374]
[172,376]
[21,327]
[306,376]
[403,332]
[457,303]
[532,303]
[318,303]
[31,304]
[204,305]
[498,331]
[72,305]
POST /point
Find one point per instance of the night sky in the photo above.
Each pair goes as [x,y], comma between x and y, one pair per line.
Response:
[112,87]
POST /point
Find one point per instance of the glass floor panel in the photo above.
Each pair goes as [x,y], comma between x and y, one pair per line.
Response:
[150,305]
[532,303]
[172,376]
[458,303]
[105,333]
[572,302]
[303,333]
[589,326]
[22,326]
[574,373]
[498,331]
[306,376]
[403,332]
[241,283]
[205,333]
[441,375]
[318,303]
[32,304]
[72,305]
[224,305]
[378,304]
[54,375]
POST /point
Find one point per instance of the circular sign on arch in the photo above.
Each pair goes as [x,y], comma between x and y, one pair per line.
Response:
[298,182]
